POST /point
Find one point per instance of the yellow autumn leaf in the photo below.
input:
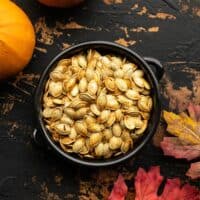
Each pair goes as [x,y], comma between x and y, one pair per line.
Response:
[183,127]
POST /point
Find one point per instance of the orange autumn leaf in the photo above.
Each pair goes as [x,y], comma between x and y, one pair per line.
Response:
[194,171]
[184,127]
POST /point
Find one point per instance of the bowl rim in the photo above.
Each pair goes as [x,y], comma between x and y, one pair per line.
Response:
[39,94]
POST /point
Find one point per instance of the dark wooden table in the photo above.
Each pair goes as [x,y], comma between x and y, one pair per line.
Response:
[150,28]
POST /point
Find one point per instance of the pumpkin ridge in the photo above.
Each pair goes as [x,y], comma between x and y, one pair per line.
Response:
[14,68]
[32,43]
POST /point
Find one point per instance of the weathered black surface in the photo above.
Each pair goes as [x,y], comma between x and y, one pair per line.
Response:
[30,172]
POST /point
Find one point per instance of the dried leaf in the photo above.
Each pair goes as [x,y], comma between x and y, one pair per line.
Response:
[187,143]
[189,192]
[173,191]
[194,111]
[148,183]
[183,127]
[119,190]
[194,171]
[172,146]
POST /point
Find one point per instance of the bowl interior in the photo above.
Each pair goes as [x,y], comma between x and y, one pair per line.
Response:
[103,48]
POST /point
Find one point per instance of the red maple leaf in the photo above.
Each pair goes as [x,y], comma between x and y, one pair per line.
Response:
[189,192]
[171,190]
[148,183]
[174,191]
[119,190]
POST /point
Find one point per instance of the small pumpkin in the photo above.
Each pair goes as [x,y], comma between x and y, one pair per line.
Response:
[61,3]
[17,39]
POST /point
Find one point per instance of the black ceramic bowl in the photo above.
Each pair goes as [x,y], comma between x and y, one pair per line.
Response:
[153,71]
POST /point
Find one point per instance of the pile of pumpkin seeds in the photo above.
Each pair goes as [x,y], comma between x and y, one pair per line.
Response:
[96,105]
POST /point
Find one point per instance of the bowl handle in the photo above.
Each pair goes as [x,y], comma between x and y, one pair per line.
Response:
[37,138]
[157,66]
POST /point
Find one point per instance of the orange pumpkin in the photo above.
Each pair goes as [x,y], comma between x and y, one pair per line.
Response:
[17,39]
[61,3]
